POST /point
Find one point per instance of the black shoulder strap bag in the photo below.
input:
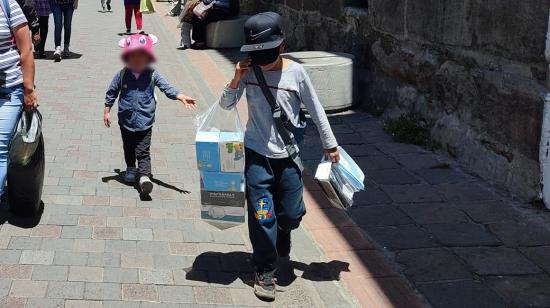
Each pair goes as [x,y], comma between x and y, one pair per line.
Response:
[283,124]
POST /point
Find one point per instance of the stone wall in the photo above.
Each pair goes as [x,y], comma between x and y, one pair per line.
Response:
[473,69]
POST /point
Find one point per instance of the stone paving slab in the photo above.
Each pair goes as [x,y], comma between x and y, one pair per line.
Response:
[98,244]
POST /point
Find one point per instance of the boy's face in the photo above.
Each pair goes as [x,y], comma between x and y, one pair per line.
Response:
[138,61]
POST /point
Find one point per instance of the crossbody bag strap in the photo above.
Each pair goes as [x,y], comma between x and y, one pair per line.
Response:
[120,75]
[290,144]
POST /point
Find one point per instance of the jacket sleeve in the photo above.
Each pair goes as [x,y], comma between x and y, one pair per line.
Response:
[230,97]
[316,111]
[113,91]
[169,90]
[27,7]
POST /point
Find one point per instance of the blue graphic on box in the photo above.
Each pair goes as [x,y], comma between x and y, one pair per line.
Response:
[220,151]
[208,153]
[222,181]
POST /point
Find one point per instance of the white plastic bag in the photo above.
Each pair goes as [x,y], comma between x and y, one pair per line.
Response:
[220,159]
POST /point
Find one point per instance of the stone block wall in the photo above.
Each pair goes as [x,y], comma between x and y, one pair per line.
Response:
[473,69]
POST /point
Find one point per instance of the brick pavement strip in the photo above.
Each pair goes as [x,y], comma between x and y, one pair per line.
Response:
[99,245]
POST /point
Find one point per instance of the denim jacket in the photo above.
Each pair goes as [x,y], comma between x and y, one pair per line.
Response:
[137,104]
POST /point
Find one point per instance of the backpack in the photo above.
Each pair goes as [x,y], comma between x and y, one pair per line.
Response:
[123,72]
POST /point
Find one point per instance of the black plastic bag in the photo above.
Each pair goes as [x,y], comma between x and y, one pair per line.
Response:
[26,166]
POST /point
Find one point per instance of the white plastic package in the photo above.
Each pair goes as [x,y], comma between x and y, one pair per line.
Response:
[340,181]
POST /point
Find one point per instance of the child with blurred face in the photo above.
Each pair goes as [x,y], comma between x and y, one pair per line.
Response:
[134,88]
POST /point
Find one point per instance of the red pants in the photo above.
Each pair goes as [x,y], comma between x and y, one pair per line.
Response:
[129,9]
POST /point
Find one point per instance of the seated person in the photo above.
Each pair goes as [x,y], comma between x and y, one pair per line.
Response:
[223,9]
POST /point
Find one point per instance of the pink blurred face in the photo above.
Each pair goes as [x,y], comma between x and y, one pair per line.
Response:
[138,61]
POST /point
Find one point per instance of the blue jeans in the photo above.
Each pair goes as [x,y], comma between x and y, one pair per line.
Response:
[9,114]
[62,19]
[275,204]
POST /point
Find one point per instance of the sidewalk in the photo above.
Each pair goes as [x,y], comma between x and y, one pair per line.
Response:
[97,244]
[460,242]
[457,241]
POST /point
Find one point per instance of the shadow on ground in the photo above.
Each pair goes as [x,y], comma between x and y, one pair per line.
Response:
[226,268]
[48,56]
[119,175]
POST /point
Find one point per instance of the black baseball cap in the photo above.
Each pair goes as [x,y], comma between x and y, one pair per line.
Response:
[263,31]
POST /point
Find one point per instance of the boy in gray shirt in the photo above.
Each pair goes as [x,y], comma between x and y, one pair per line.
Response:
[274,181]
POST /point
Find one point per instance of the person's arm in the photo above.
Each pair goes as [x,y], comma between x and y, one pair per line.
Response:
[110,98]
[172,92]
[317,112]
[24,45]
[234,90]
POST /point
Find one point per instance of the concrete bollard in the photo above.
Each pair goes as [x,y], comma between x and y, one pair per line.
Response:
[331,75]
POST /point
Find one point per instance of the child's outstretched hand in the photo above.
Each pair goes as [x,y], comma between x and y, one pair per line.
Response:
[188,102]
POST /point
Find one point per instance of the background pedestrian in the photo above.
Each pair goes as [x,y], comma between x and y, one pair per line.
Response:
[63,17]
[131,7]
[43,11]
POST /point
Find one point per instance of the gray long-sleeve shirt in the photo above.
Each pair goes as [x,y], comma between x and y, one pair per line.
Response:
[291,87]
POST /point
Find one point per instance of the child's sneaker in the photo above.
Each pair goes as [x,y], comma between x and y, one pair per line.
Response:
[128,31]
[130,176]
[109,7]
[145,185]
[284,244]
[265,285]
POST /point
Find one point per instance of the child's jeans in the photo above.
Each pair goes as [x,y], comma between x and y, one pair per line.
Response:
[9,114]
[129,10]
[63,19]
[137,146]
[275,204]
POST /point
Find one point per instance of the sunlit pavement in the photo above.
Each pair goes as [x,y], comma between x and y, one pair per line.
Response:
[97,244]
[456,240]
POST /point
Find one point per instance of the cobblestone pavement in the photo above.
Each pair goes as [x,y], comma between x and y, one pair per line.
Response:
[97,244]
[459,242]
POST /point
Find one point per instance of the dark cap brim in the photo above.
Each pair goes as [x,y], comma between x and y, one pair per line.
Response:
[262,46]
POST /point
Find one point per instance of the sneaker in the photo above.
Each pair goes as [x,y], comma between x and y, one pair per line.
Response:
[145,185]
[57,54]
[102,9]
[130,176]
[108,7]
[66,51]
[265,285]
[182,46]
[128,31]
[283,244]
